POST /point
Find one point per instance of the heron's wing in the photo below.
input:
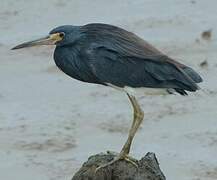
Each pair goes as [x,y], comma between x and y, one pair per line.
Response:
[121,58]
[118,39]
[126,46]
[112,67]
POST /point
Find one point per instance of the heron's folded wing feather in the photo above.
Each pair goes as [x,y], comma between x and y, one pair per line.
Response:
[121,70]
[131,47]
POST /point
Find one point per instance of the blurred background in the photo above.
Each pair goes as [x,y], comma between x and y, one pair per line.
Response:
[50,124]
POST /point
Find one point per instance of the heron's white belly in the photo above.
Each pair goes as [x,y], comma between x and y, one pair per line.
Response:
[145,91]
[141,90]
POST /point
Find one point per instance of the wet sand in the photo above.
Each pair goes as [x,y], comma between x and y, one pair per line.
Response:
[50,124]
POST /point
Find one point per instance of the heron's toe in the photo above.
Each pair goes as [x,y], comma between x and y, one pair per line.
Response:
[119,157]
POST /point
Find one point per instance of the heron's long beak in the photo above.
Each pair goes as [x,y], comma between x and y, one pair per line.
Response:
[48,40]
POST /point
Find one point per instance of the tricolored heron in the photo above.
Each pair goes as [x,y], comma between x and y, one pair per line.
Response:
[111,56]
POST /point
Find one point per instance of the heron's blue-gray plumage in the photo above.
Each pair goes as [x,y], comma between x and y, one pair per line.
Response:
[105,54]
[73,64]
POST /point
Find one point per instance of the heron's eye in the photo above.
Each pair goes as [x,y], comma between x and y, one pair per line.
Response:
[62,34]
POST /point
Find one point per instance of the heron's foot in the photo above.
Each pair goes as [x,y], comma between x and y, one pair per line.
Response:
[119,154]
[119,157]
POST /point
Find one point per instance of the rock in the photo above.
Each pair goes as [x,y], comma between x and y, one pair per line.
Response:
[148,169]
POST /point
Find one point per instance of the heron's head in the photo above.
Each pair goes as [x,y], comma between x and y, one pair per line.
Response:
[59,36]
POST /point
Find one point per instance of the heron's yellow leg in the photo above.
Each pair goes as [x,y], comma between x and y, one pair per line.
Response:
[138,115]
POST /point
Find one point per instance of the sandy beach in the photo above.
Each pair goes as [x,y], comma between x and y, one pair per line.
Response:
[50,124]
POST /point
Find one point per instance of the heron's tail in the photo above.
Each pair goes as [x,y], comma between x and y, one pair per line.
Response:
[192,74]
